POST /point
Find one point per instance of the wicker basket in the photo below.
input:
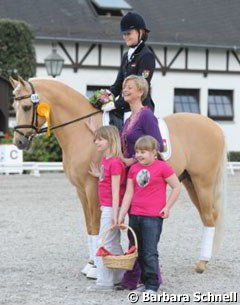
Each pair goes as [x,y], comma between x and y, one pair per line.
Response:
[124,261]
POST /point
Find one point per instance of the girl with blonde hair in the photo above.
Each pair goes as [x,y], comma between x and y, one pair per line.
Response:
[111,188]
[146,202]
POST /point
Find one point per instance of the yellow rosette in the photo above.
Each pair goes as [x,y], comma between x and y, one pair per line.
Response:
[43,110]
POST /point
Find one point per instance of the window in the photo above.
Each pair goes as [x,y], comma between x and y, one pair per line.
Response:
[220,104]
[110,7]
[186,100]
[92,89]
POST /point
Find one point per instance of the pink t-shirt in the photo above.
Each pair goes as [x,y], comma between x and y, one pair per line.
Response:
[110,167]
[149,183]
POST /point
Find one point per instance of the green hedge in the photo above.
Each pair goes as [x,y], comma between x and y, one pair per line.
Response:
[44,149]
[234,156]
[17,53]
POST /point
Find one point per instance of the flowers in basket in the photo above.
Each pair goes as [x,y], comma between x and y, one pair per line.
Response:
[101,97]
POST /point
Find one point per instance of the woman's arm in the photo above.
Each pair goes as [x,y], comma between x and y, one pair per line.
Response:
[126,201]
[151,127]
[147,66]
[128,161]
[175,185]
[91,124]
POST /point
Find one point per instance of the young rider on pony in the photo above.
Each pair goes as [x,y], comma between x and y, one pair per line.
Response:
[138,60]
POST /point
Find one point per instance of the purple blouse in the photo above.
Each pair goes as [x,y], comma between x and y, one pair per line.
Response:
[146,124]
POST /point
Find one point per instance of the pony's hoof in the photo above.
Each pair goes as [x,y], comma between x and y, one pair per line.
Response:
[92,273]
[201,266]
[88,267]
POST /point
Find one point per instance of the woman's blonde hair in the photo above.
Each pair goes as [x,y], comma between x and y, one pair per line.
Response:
[111,134]
[148,143]
[140,83]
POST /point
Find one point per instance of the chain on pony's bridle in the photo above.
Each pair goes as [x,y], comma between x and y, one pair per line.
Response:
[34,124]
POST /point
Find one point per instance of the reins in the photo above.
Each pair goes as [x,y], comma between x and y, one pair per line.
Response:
[35,100]
[44,129]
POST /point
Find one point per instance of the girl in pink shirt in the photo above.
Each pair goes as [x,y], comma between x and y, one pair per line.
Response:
[111,187]
[145,201]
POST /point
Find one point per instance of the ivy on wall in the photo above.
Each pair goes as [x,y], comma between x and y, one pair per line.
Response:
[234,156]
[17,52]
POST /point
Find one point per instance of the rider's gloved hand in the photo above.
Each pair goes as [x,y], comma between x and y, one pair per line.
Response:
[108,107]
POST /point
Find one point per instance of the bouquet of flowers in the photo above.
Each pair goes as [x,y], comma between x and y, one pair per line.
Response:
[101,97]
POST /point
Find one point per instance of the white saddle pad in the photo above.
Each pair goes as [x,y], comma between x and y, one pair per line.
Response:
[166,139]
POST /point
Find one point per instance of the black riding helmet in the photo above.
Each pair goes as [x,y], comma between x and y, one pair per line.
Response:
[133,21]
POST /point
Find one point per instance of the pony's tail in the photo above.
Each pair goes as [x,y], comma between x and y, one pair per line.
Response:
[219,200]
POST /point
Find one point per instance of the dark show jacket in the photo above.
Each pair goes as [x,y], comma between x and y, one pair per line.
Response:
[142,62]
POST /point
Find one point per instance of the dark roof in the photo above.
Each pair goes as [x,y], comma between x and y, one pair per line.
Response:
[172,22]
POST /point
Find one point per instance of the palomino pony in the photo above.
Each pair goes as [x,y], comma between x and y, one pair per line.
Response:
[198,152]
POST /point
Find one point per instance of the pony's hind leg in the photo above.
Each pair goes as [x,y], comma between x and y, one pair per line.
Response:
[205,194]
[192,193]
[200,265]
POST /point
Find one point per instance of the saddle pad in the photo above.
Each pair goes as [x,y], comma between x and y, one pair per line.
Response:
[166,139]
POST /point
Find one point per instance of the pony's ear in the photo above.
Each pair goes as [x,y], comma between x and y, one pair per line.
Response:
[13,82]
[21,80]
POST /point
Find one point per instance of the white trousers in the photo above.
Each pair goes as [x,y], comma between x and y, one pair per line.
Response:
[108,276]
[106,117]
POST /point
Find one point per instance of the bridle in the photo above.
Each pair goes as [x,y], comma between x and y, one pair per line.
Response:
[35,101]
[34,124]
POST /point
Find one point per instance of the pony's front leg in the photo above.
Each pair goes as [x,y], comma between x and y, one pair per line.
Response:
[94,222]
[91,217]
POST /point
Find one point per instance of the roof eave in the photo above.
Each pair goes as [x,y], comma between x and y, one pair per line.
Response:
[153,43]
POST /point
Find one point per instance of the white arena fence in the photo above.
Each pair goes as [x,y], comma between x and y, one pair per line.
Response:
[35,168]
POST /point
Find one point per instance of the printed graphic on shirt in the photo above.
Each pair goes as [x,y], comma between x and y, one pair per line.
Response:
[102,176]
[143,177]
[145,73]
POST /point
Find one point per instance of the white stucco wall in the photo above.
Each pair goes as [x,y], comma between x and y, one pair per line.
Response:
[162,86]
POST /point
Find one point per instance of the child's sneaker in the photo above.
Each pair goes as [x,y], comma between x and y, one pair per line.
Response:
[150,291]
[140,289]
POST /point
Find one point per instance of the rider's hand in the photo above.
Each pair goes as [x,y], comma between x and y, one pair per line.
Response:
[108,107]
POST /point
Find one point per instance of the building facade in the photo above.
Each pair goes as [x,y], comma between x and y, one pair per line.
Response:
[200,80]
[196,45]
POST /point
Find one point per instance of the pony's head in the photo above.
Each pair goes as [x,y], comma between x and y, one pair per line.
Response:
[25,104]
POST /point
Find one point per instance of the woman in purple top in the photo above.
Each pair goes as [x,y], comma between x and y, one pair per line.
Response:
[141,122]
